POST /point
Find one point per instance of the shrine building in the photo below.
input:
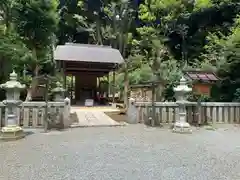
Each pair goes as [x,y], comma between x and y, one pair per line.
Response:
[82,66]
[202,81]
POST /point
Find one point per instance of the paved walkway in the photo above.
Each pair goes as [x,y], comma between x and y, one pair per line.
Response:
[131,152]
[89,117]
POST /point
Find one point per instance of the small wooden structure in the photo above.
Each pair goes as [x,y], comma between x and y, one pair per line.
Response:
[147,92]
[84,64]
[202,81]
[141,92]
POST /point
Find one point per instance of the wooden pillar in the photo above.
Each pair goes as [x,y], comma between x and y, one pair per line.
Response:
[108,86]
[77,87]
[64,75]
[71,93]
[65,81]
[114,87]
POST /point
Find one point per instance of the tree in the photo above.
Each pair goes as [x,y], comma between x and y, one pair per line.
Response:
[111,24]
[222,54]
[12,48]
[6,14]
[12,52]
[122,14]
[158,17]
[73,21]
[36,22]
[167,36]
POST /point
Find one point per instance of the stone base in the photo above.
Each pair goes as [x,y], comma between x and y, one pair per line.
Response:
[182,127]
[11,133]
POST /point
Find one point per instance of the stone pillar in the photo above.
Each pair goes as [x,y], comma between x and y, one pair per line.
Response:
[132,112]
[66,114]
[181,125]
[12,131]
[59,92]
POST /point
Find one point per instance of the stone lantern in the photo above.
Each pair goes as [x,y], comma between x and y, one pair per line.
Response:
[58,92]
[12,130]
[181,125]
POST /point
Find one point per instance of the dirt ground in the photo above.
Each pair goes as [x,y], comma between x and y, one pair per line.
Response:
[117,116]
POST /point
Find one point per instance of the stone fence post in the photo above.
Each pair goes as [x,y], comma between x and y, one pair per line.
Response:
[132,112]
[66,113]
[59,92]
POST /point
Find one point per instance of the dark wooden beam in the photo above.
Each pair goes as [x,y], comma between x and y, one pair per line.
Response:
[87,69]
[83,73]
[90,65]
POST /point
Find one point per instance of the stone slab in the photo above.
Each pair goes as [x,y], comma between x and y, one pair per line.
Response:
[92,118]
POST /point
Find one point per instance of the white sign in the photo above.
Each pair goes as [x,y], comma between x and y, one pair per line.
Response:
[89,102]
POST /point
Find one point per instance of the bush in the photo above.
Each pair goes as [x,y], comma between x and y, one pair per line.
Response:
[198,97]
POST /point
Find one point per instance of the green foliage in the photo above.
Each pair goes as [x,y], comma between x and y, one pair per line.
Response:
[72,20]
[13,53]
[202,4]
[198,98]
[152,40]
[165,11]
[141,74]
[172,35]
[222,53]
[237,95]
[36,21]
[12,48]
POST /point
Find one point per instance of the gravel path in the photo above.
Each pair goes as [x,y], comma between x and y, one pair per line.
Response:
[133,152]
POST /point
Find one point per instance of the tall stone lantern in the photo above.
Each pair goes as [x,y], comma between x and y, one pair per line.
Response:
[12,130]
[181,125]
[59,92]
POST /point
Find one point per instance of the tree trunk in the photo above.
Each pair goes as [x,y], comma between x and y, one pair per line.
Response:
[123,43]
[126,86]
[33,85]
[31,89]
[159,93]
[99,35]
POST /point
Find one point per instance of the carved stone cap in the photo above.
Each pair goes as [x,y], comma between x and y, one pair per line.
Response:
[182,87]
[58,88]
[12,83]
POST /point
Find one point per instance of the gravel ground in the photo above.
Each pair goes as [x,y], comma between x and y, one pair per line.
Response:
[132,152]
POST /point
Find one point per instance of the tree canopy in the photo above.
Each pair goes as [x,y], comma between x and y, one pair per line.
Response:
[155,37]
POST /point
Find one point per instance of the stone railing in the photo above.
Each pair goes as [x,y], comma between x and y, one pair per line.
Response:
[167,112]
[32,114]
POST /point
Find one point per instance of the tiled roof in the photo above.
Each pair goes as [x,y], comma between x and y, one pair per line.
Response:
[87,53]
[201,75]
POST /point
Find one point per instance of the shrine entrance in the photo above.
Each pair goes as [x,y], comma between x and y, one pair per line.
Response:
[83,68]
[82,87]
